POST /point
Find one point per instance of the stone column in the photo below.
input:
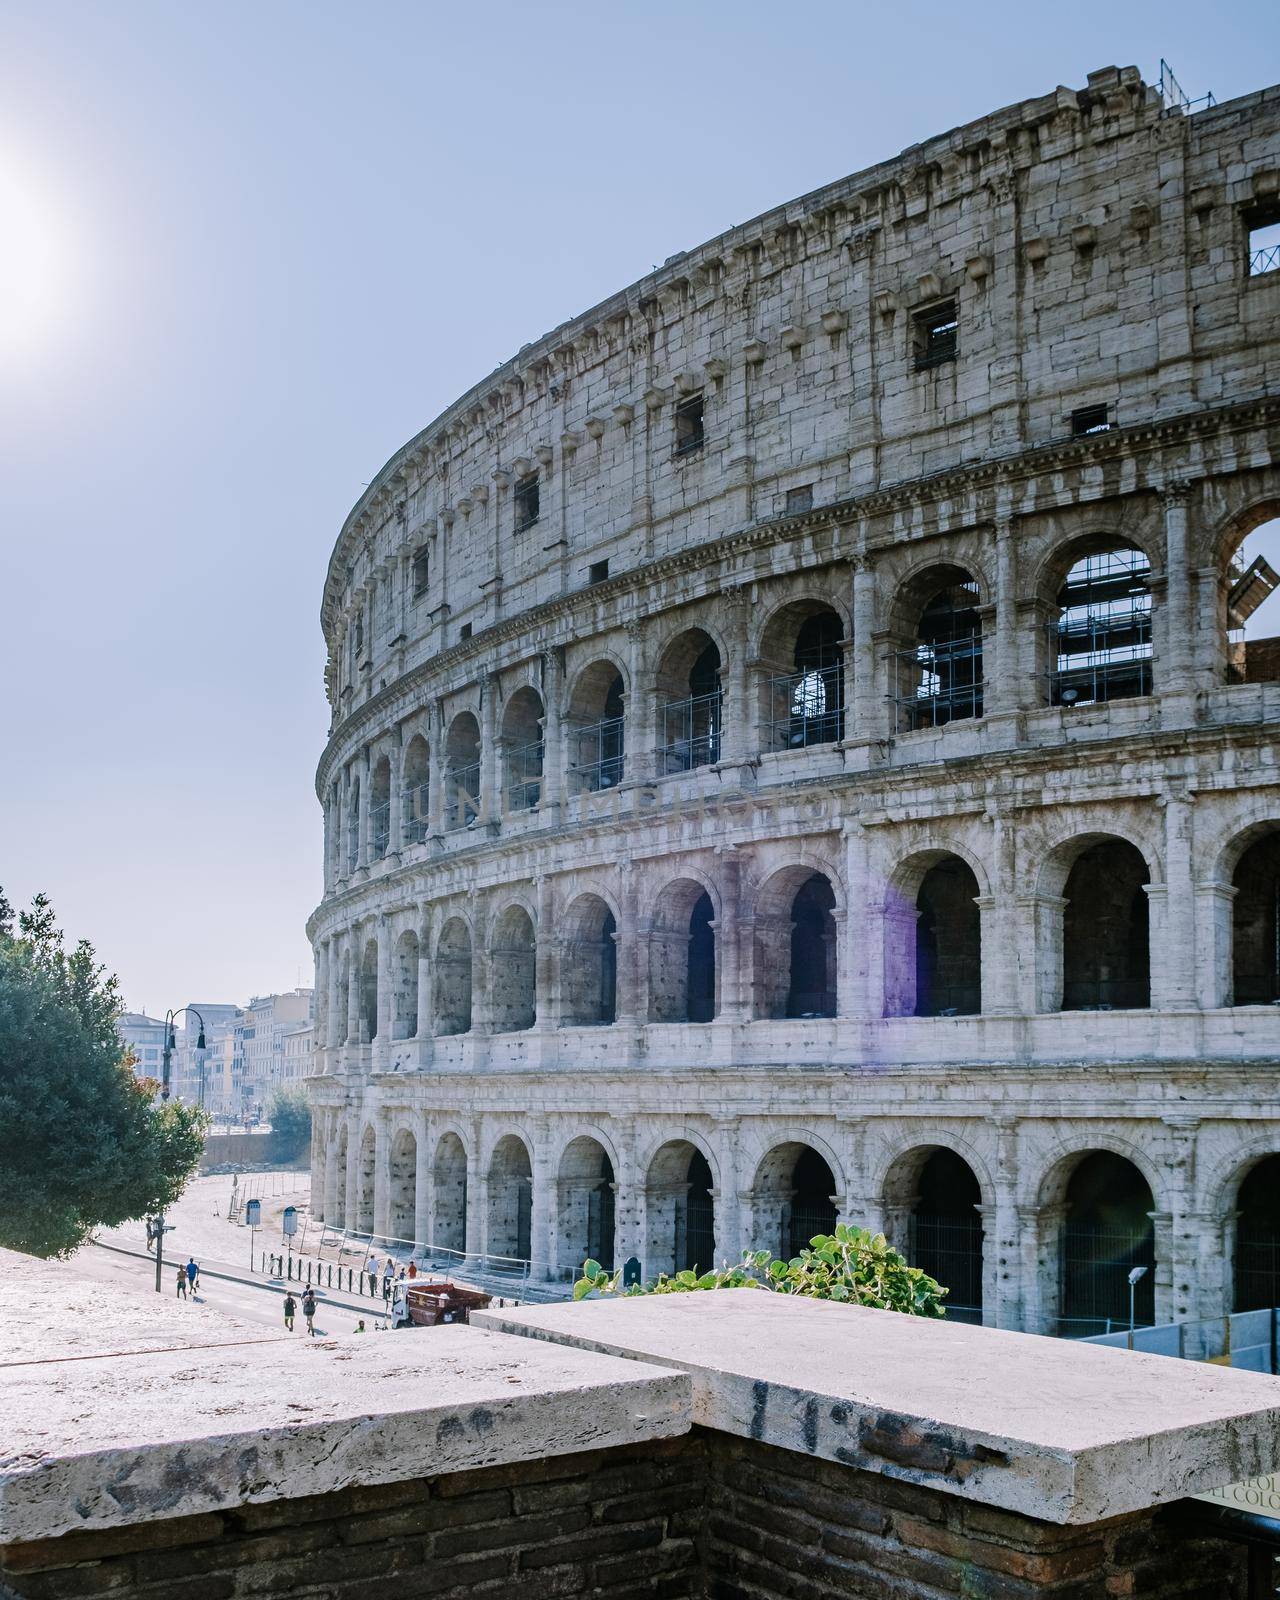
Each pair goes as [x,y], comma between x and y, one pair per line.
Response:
[424,1189]
[553,740]
[321,1020]
[477,1201]
[1040,924]
[352,1176]
[365,851]
[542,1202]
[336,1031]
[353,987]
[1215,933]
[385,1010]
[382,1178]
[728,1211]
[425,1028]
[1001,1274]
[490,757]
[868,704]
[899,922]
[1173,961]
[1003,686]
[395,810]
[640,731]
[1176,626]
[437,771]
[998,910]
[728,932]
[546,961]
[632,983]
[739,737]
[1181,1274]
[628,1209]
[855,997]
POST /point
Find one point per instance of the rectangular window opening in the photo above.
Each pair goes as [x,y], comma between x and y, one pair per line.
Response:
[527,505]
[421,572]
[799,500]
[1089,419]
[464,632]
[1262,233]
[935,335]
[690,433]
[597,572]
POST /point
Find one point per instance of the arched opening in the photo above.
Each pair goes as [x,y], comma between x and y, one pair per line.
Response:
[403,1186]
[940,660]
[449,1174]
[512,972]
[1255,923]
[1250,591]
[795,946]
[365,1177]
[353,826]
[793,1199]
[1100,643]
[1107,1232]
[597,729]
[801,653]
[406,985]
[452,987]
[510,1189]
[380,808]
[369,992]
[522,750]
[682,955]
[679,1211]
[462,772]
[940,1194]
[416,797]
[586,1215]
[1257,1264]
[948,941]
[589,966]
[1105,948]
[690,696]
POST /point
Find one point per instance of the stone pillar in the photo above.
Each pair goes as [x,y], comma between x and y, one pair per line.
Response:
[542,1203]
[854,965]
[1181,1273]
[336,1033]
[898,922]
[999,912]
[425,1028]
[1001,1266]
[868,723]
[728,1210]
[491,807]
[739,737]
[437,772]
[385,1010]
[1004,684]
[395,810]
[364,854]
[1040,921]
[640,731]
[546,961]
[628,1207]
[728,934]
[351,1177]
[424,1189]
[382,1178]
[1215,936]
[1039,1229]
[477,1202]
[632,982]
[553,740]
[1173,960]
[321,1020]
[353,987]
[1176,626]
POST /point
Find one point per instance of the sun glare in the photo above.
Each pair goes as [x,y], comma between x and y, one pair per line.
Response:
[34,262]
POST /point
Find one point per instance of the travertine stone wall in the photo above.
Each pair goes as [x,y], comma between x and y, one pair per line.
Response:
[1093,247]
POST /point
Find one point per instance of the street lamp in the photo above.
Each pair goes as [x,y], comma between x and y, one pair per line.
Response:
[170,1043]
[1134,1274]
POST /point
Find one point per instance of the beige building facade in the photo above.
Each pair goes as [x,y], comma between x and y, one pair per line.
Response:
[794,754]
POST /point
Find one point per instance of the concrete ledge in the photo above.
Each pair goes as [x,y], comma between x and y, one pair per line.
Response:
[103,1442]
[1062,1432]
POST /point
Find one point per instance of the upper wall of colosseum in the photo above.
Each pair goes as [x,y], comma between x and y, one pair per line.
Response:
[959,302]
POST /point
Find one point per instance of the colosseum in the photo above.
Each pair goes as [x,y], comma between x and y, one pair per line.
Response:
[795,752]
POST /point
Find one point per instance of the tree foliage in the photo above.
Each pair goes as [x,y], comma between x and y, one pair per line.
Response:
[290,1117]
[82,1142]
[852,1264]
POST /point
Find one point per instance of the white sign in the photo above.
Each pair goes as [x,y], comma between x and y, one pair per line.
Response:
[290,1221]
[1254,1494]
[253,1213]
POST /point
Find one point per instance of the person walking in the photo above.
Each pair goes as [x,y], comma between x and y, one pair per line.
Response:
[387,1281]
[182,1283]
[413,1269]
[193,1274]
[309,1310]
[290,1309]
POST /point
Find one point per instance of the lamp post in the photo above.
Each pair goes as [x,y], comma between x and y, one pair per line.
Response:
[1134,1274]
[166,1058]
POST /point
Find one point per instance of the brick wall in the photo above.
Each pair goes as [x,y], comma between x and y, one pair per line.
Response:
[705,1517]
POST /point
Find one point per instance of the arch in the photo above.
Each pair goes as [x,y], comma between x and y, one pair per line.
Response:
[1106,961]
[679,1210]
[589,964]
[512,971]
[402,1186]
[682,954]
[690,697]
[449,1178]
[1100,649]
[509,1186]
[938,1194]
[585,1223]
[380,808]
[1105,1232]
[462,771]
[795,945]
[520,736]
[451,994]
[801,649]
[415,808]
[933,954]
[1255,919]
[366,1177]
[937,629]
[596,725]
[1256,1267]
[793,1198]
[406,985]
[369,992]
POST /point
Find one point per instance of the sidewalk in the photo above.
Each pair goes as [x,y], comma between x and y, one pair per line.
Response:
[225,1271]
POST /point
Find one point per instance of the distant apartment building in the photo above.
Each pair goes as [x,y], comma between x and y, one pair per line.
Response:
[143,1037]
[297,1053]
[194,1071]
[262,1028]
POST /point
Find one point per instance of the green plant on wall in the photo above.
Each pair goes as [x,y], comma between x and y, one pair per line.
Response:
[852,1264]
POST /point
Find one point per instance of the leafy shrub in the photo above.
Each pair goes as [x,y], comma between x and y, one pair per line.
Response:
[851,1264]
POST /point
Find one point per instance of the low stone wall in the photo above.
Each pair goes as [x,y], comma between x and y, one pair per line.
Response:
[250,1150]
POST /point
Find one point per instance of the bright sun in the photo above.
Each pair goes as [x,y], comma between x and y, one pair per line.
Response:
[34,264]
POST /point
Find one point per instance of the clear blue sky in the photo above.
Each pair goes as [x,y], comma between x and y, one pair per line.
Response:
[256,247]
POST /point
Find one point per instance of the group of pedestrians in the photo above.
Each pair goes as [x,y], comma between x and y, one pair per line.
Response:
[308,1309]
[188,1279]
[390,1277]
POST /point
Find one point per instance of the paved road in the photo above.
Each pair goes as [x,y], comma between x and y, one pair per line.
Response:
[253,1302]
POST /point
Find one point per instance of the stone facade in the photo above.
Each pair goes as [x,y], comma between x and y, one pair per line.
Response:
[789,753]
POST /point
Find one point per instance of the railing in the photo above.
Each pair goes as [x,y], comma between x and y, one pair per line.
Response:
[1101,656]
[807,707]
[944,681]
[524,777]
[379,828]
[1267,260]
[600,755]
[691,732]
[462,798]
[1176,97]
[417,813]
